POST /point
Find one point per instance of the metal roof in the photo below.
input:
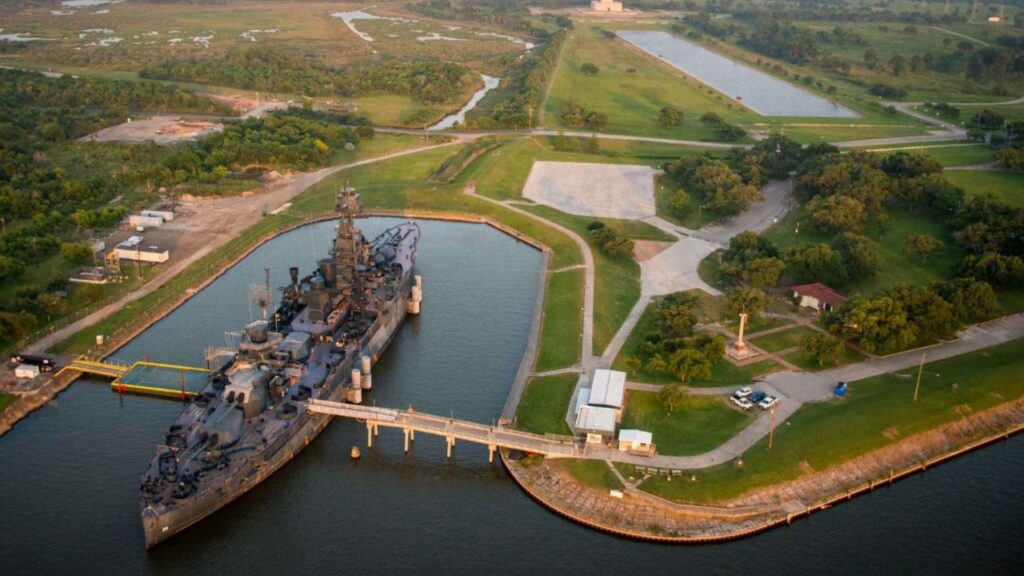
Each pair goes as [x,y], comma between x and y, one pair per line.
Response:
[636,436]
[608,388]
[596,419]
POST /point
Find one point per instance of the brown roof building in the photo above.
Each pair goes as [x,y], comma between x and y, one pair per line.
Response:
[818,296]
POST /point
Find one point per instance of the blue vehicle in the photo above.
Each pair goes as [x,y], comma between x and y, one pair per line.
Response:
[758,396]
[840,389]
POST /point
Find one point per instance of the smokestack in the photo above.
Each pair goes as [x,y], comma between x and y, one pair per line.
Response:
[294,273]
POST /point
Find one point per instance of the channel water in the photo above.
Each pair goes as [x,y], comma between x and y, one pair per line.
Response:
[69,473]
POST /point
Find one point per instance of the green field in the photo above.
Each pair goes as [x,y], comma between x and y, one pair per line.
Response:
[631,88]
[948,154]
[778,341]
[563,321]
[1007,186]
[545,401]
[701,424]
[877,412]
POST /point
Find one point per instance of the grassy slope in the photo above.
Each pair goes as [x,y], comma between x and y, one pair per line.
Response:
[704,423]
[542,409]
[593,473]
[563,320]
[948,154]
[632,99]
[877,412]
[6,400]
[781,340]
[1007,186]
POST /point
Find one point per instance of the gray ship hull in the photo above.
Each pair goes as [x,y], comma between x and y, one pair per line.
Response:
[159,526]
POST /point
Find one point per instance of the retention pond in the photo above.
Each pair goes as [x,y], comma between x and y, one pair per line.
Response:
[69,472]
[761,92]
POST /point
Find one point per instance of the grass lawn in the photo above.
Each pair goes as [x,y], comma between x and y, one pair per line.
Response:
[6,400]
[798,358]
[502,173]
[542,409]
[1007,186]
[777,341]
[877,412]
[947,154]
[894,266]
[563,321]
[617,280]
[631,87]
[595,473]
[704,423]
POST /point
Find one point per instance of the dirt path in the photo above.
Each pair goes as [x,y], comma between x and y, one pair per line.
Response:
[213,224]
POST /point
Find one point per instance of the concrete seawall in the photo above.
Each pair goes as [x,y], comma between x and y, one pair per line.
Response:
[645,516]
[29,403]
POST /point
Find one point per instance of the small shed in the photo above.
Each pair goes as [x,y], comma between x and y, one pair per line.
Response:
[165,215]
[146,221]
[26,371]
[636,441]
[817,296]
[152,253]
[597,423]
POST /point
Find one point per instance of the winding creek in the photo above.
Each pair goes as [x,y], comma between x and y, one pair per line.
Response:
[69,472]
[490,83]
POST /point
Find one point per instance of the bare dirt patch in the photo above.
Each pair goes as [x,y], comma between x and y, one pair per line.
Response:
[605,190]
[160,129]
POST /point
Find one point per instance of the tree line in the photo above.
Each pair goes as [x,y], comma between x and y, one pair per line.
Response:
[273,69]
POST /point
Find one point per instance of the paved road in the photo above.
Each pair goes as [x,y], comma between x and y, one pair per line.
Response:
[222,220]
[796,388]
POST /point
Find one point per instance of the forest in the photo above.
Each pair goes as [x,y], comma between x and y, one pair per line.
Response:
[272,69]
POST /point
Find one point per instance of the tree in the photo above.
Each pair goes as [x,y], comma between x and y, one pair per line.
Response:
[996,269]
[680,202]
[816,263]
[670,117]
[734,200]
[592,146]
[822,349]
[879,325]
[589,69]
[674,395]
[749,300]
[762,273]
[10,267]
[972,300]
[836,213]
[690,364]
[897,63]
[921,246]
[76,254]
[931,316]
[677,314]
[859,253]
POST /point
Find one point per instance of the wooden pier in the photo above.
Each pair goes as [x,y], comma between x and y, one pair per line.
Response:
[451,429]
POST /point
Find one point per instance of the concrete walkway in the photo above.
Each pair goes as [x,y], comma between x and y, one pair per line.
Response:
[797,388]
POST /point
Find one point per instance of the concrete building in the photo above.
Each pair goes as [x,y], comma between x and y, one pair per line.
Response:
[26,371]
[597,422]
[144,220]
[636,442]
[817,296]
[166,215]
[132,249]
[609,6]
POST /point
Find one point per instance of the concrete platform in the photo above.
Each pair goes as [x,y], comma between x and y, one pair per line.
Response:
[606,190]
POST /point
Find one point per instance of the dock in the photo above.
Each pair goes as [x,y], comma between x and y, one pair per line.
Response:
[144,377]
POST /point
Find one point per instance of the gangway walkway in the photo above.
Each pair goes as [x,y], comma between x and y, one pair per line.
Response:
[411,422]
[144,377]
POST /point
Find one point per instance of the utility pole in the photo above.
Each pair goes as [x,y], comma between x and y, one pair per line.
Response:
[920,371]
[771,429]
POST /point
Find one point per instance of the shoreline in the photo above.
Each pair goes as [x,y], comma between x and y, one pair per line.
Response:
[697,524]
[62,380]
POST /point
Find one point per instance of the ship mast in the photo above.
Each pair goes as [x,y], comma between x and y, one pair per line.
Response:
[349,245]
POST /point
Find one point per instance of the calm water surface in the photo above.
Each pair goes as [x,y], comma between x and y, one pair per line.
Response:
[761,92]
[69,473]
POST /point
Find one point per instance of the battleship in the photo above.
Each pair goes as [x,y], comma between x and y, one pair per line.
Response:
[320,342]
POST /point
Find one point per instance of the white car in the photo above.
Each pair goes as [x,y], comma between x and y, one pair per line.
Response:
[743,392]
[741,402]
[767,402]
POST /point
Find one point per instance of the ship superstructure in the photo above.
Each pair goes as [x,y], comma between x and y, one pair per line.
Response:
[320,342]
